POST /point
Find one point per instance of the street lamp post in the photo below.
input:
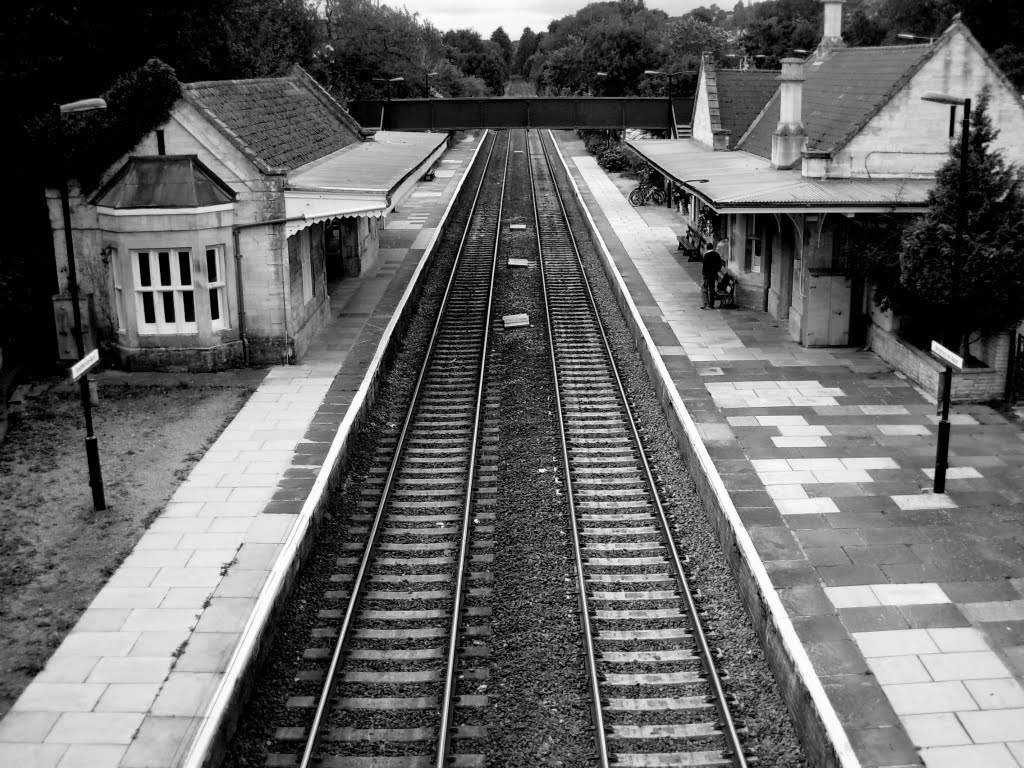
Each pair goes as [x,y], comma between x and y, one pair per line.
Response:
[92,451]
[668,93]
[388,81]
[942,451]
[426,82]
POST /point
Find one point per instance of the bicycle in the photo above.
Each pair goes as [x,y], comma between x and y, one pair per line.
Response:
[647,191]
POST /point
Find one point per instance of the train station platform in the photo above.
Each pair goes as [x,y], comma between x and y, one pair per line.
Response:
[903,609]
[151,673]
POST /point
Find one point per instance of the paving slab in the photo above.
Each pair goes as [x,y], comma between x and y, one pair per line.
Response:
[829,467]
[147,676]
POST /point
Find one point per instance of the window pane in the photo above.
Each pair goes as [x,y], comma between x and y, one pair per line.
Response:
[168,297]
[215,304]
[211,265]
[148,311]
[185,266]
[144,280]
[190,306]
[165,267]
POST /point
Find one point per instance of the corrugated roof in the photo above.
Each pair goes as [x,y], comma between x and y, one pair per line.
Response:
[742,94]
[379,165]
[841,93]
[164,181]
[739,180]
[283,122]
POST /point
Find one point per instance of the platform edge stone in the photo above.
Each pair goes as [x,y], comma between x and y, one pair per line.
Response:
[219,720]
[819,726]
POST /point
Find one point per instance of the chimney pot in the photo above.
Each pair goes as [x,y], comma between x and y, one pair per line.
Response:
[832,36]
[789,138]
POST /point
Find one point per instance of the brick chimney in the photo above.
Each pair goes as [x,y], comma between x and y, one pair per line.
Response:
[789,138]
[832,37]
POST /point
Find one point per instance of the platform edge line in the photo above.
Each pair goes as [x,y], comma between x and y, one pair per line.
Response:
[228,691]
[774,615]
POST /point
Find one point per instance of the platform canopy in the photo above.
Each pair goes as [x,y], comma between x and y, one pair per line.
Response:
[740,182]
[364,179]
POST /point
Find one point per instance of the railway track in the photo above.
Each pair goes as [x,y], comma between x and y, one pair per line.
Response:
[393,652]
[403,636]
[657,697]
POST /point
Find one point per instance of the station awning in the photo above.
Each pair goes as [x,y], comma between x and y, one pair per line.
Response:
[365,179]
[739,182]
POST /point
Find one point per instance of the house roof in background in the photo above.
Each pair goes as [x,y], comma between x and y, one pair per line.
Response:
[163,181]
[742,94]
[281,123]
[841,93]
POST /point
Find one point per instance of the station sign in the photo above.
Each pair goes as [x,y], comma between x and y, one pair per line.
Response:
[947,356]
[79,369]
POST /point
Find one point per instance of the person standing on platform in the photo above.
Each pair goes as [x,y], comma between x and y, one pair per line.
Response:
[711,263]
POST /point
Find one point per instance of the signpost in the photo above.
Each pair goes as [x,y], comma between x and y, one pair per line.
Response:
[83,366]
[942,453]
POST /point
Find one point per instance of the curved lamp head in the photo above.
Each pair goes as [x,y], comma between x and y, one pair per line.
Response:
[944,98]
[83,105]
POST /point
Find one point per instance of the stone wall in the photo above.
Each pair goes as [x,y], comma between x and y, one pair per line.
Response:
[973,385]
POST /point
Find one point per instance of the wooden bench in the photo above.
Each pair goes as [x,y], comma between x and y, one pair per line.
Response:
[692,243]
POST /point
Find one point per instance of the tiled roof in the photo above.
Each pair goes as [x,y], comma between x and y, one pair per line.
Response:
[164,181]
[840,95]
[742,94]
[281,122]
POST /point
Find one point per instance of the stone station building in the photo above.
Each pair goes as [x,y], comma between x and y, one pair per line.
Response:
[781,163]
[215,241]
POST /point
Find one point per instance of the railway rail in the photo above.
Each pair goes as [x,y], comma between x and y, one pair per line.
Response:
[657,696]
[389,687]
[402,640]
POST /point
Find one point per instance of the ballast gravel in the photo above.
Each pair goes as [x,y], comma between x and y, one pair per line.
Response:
[771,735]
[530,664]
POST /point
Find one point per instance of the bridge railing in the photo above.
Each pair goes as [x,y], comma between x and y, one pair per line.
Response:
[534,112]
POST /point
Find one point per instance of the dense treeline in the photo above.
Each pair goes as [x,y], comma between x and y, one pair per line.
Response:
[625,38]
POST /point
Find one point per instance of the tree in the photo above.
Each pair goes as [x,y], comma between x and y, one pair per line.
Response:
[477,58]
[689,38]
[525,49]
[978,291]
[500,38]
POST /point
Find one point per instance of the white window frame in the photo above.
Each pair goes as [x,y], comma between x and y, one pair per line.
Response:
[120,313]
[176,288]
[217,287]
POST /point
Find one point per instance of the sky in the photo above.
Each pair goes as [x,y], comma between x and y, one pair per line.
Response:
[513,15]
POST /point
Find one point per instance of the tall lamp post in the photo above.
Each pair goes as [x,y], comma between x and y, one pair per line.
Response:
[426,82]
[92,451]
[668,92]
[388,81]
[942,450]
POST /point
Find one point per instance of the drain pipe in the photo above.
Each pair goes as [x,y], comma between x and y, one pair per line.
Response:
[238,263]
